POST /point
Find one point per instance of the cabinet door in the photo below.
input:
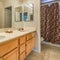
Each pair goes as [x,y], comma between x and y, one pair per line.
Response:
[22,56]
[8,46]
[12,55]
[32,43]
[28,47]
[1,59]
[22,48]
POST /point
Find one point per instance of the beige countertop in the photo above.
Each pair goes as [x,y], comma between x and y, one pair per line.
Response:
[4,37]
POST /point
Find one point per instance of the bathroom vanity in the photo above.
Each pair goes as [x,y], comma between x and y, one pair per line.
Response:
[16,45]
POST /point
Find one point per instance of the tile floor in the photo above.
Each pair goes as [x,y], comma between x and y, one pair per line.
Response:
[48,53]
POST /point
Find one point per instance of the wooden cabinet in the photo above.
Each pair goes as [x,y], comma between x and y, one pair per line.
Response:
[30,35]
[1,59]
[30,43]
[22,47]
[22,39]
[9,50]
[22,56]
[8,46]
[28,47]
[12,55]
[18,48]
[27,43]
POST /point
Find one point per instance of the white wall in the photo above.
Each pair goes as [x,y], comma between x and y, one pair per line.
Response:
[35,23]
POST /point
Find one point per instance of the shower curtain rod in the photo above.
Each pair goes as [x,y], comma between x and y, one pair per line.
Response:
[49,3]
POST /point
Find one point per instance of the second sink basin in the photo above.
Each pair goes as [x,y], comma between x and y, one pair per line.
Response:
[2,37]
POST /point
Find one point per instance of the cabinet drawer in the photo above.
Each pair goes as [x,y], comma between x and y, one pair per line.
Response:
[30,35]
[8,46]
[22,56]
[22,39]
[22,48]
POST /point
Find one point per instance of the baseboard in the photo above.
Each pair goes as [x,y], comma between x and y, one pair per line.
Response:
[35,50]
[49,43]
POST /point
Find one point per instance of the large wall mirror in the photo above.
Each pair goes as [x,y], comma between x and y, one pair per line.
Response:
[25,12]
[28,12]
[18,14]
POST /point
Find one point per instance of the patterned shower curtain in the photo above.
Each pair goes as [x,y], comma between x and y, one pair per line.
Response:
[57,23]
[50,27]
[52,23]
[44,11]
[43,20]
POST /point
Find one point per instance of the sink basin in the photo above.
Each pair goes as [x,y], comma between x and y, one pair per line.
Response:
[2,37]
